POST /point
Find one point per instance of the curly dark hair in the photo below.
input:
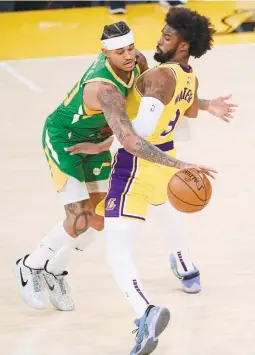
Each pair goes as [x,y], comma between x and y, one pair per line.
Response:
[115,30]
[193,28]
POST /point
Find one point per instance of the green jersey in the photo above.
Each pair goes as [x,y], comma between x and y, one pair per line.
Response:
[77,122]
[72,122]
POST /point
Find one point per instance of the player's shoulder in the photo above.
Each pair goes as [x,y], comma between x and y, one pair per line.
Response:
[141,61]
[159,74]
[100,85]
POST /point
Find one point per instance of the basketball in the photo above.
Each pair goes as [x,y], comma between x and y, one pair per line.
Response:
[189,190]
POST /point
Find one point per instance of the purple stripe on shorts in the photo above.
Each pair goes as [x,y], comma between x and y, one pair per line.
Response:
[123,174]
[119,179]
[127,190]
[139,291]
[165,147]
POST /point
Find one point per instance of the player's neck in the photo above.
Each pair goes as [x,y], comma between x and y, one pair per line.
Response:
[123,75]
[182,62]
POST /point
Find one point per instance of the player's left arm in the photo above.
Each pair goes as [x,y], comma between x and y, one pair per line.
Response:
[218,107]
[192,111]
[141,61]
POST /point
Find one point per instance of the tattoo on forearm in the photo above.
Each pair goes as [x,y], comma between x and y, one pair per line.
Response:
[151,153]
[203,104]
[114,107]
[81,219]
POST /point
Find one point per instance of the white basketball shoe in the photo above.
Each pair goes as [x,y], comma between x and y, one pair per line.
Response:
[30,284]
[58,289]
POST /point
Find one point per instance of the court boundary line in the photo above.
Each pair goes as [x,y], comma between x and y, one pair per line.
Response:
[24,80]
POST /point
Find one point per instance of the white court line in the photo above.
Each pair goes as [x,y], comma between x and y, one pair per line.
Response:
[20,77]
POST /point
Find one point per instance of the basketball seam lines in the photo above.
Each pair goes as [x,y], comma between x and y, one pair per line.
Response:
[191,189]
[207,200]
[203,184]
[183,200]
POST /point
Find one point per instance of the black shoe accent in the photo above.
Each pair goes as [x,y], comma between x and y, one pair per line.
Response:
[30,268]
[64,273]
[191,276]
[50,287]
[17,262]
[149,309]
[23,283]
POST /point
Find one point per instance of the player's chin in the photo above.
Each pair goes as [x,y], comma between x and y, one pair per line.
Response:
[158,57]
[128,66]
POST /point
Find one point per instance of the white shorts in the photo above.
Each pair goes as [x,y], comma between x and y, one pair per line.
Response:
[74,190]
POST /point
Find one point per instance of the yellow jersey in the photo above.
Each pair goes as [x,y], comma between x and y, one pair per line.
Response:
[174,111]
[135,183]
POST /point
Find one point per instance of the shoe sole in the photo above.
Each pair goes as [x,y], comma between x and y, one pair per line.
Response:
[191,290]
[160,324]
[59,308]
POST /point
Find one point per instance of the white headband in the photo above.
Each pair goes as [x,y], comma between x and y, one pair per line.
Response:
[118,42]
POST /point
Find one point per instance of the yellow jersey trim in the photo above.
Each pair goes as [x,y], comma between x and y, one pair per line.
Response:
[130,83]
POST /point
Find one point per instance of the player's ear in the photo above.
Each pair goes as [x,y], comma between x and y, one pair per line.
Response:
[183,46]
[105,52]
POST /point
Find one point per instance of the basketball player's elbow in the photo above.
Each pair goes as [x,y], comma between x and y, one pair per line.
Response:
[130,143]
[192,112]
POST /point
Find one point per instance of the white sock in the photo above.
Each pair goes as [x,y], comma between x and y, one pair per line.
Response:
[174,223]
[59,261]
[48,246]
[120,236]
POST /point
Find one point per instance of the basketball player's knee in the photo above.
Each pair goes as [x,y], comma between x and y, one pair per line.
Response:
[78,217]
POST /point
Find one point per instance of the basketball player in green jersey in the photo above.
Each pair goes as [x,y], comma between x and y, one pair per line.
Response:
[81,180]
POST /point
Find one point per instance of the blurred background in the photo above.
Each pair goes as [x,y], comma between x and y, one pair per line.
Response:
[38,29]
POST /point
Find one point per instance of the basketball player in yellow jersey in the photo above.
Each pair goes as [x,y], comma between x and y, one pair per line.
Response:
[159,99]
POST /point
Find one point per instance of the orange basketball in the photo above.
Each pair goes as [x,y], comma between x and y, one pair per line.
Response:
[189,190]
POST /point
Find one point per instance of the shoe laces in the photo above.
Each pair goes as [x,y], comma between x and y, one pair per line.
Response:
[62,284]
[140,331]
[37,280]
[136,331]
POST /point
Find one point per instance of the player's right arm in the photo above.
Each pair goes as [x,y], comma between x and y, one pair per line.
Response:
[110,100]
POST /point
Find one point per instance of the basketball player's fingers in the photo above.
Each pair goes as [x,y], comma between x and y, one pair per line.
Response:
[208,173]
[225,119]
[232,105]
[228,115]
[205,168]
[226,97]
[231,109]
[76,151]
[70,149]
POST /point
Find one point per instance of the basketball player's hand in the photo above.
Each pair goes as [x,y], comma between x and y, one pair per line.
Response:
[90,148]
[219,107]
[203,169]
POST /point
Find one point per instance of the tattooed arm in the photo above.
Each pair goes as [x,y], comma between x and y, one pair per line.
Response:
[113,105]
[203,104]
